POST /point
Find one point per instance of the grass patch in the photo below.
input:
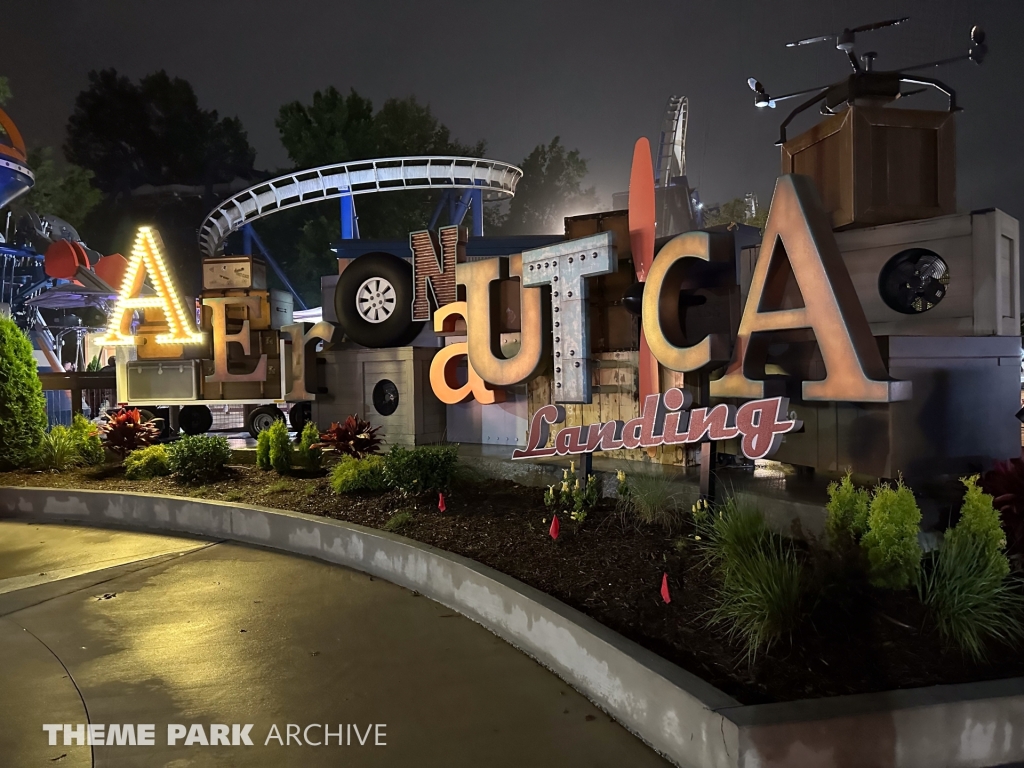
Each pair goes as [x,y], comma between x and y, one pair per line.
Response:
[651,499]
[233,495]
[760,598]
[398,521]
[280,486]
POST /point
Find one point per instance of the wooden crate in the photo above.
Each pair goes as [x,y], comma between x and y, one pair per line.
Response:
[224,272]
[874,165]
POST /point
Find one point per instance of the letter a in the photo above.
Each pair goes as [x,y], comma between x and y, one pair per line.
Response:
[798,228]
[148,258]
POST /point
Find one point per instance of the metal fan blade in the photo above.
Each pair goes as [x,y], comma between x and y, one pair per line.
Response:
[880,25]
[977,35]
[809,40]
[755,86]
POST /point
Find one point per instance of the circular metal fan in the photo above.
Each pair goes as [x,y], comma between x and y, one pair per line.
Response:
[913,281]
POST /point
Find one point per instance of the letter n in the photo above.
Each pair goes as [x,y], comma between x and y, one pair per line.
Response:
[433,268]
[798,232]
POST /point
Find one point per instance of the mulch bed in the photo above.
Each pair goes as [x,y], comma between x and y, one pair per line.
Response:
[612,571]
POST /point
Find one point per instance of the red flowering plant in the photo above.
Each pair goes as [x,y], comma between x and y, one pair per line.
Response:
[353,437]
[1005,483]
[124,430]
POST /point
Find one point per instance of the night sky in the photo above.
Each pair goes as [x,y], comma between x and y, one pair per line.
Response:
[598,73]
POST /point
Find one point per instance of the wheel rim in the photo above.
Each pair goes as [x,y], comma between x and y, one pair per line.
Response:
[262,421]
[376,300]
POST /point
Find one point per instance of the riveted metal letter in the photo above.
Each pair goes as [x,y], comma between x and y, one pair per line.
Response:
[433,268]
[565,267]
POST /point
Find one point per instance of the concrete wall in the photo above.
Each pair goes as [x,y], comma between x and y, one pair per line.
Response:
[691,722]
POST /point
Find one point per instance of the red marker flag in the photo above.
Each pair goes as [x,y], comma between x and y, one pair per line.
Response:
[440,502]
[664,589]
[554,527]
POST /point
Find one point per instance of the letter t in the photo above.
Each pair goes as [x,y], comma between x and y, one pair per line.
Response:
[565,267]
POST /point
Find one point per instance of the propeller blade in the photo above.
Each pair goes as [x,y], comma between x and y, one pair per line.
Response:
[809,40]
[977,35]
[755,86]
[880,25]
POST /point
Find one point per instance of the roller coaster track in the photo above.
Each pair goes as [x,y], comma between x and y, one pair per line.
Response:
[497,180]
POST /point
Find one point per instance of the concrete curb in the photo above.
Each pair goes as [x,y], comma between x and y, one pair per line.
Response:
[677,713]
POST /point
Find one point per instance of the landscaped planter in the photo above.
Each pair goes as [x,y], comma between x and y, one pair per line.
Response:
[690,721]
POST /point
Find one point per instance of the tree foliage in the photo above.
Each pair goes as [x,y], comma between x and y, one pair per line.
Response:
[65,192]
[152,132]
[734,211]
[551,188]
[5,90]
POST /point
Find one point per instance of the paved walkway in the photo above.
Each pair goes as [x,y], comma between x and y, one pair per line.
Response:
[111,627]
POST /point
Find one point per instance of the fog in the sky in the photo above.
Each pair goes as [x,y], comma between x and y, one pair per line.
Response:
[597,73]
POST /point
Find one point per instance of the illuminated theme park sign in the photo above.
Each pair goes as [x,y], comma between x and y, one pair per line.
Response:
[798,241]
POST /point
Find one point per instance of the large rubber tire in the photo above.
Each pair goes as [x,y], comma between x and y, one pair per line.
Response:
[373,301]
[261,418]
[195,419]
[299,415]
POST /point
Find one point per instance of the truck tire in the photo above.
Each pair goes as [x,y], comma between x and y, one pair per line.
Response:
[261,418]
[299,415]
[195,419]
[373,301]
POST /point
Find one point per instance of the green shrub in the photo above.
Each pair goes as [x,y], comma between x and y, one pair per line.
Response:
[894,554]
[979,520]
[147,463]
[263,451]
[59,450]
[310,457]
[650,498]
[280,447]
[398,521]
[972,603]
[966,585]
[761,588]
[427,469]
[847,513]
[352,474]
[87,434]
[198,459]
[22,404]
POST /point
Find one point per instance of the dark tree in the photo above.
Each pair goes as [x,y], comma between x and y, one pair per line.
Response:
[551,188]
[153,132]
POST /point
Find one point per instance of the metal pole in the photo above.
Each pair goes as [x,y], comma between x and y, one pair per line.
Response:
[247,230]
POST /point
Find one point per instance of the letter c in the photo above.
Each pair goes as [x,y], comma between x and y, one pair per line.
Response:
[662,326]
[305,735]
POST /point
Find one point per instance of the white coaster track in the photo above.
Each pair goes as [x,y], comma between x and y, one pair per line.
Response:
[497,180]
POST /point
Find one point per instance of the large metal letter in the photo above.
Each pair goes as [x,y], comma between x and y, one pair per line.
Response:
[799,229]
[221,339]
[483,322]
[304,357]
[663,323]
[566,267]
[433,268]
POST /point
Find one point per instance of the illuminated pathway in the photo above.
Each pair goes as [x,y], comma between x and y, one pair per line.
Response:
[142,628]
